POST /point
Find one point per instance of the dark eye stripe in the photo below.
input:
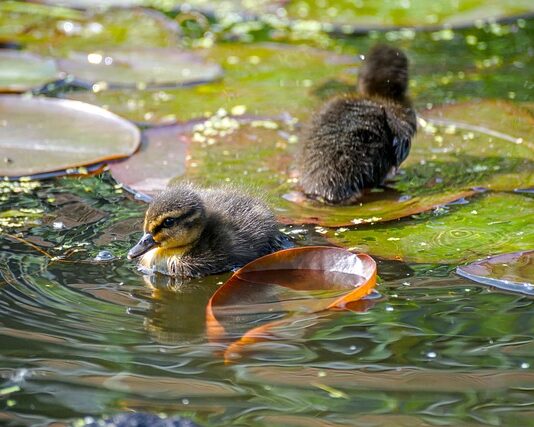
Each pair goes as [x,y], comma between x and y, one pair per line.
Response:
[177,220]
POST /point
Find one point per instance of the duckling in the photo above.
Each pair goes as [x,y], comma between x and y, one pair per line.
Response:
[192,232]
[355,141]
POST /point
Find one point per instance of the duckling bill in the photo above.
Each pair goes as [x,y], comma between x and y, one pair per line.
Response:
[355,141]
[191,231]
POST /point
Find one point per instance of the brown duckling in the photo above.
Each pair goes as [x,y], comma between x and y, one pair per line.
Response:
[191,231]
[354,142]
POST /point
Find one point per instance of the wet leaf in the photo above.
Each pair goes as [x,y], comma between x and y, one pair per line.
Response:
[448,162]
[142,67]
[22,71]
[267,79]
[492,223]
[61,30]
[162,156]
[94,4]
[43,135]
[220,9]
[511,272]
[358,16]
[295,281]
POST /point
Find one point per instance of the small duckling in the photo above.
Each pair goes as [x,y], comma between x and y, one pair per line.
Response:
[191,231]
[355,142]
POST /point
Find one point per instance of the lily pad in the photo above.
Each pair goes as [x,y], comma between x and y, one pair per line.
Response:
[61,30]
[442,166]
[143,67]
[162,156]
[492,223]
[511,272]
[43,135]
[268,79]
[286,283]
[94,4]
[219,9]
[22,71]
[350,16]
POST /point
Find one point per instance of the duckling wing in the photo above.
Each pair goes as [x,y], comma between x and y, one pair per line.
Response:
[402,124]
[401,147]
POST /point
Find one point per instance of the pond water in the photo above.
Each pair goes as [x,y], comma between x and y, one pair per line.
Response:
[84,333]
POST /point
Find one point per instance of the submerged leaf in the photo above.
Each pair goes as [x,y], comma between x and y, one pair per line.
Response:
[284,284]
[511,272]
[490,224]
[43,135]
[140,67]
[22,71]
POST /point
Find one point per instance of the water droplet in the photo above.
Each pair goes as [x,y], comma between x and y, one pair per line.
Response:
[432,354]
[104,256]
[525,365]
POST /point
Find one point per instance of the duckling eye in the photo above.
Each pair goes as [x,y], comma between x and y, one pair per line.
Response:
[169,222]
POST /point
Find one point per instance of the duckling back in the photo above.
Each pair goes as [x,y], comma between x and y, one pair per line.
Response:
[246,224]
[353,142]
[238,229]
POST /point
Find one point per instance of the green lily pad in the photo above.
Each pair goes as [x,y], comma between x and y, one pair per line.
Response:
[61,30]
[351,16]
[512,272]
[42,135]
[94,4]
[146,67]
[268,79]
[490,224]
[441,168]
[219,8]
[22,71]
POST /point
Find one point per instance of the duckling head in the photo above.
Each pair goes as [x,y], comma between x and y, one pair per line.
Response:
[384,73]
[174,220]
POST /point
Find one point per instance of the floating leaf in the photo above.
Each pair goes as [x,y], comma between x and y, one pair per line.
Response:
[286,283]
[162,156]
[95,4]
[220,9]
[143,67]
[489,224]
[377,206]
[360,16]
[511,272]
[448,162]
[62,30]
[268,79]
[22,71]
[42,135]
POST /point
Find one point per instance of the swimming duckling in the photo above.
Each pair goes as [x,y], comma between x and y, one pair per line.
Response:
[192,231]
[354,142]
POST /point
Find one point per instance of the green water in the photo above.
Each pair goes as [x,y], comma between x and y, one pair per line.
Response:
[81,336]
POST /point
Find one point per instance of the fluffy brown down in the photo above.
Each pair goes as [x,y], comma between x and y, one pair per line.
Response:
[354,141]
[233,229]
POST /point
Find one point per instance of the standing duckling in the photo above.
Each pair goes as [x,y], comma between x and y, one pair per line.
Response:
[191,232]
[354,142]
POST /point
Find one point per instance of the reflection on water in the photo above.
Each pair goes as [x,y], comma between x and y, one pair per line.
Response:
[80,337]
